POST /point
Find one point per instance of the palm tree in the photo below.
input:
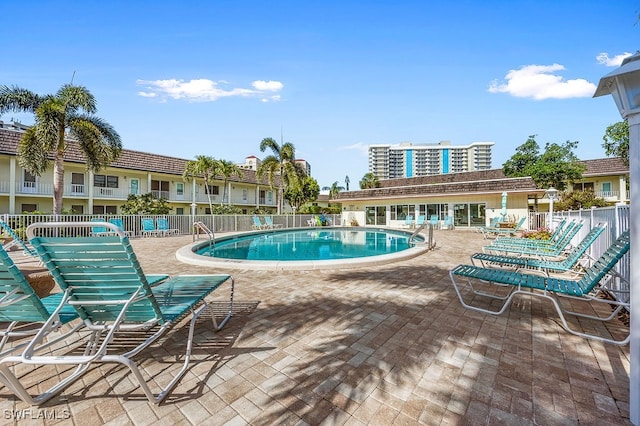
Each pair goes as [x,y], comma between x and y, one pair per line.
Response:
[369,180]
[204,166]
[67,114]
[282,164]
[334,190]
[226,169]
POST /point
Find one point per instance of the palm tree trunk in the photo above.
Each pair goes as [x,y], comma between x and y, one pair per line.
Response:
[58,182]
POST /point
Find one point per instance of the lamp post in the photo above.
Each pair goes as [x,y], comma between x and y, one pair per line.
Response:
[552,195]
[624,85]
[193,220]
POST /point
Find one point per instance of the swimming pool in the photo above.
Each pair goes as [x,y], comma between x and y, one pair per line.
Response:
[313,248]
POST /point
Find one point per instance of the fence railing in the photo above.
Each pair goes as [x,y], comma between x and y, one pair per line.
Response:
[132,224]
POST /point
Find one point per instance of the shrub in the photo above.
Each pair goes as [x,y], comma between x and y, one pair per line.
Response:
[538,234]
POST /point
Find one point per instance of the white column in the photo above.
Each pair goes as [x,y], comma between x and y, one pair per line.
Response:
[623,189]
[12,185]
[634,345]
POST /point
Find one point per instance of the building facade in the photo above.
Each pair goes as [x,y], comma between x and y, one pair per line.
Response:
[473,198]
[133,172]
[407,160]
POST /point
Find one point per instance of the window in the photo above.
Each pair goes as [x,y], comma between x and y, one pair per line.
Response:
[584,186]
[77,209]
[29,208]
[105,209]
[179,188]
[179,210]
[213,189]
[244,195]
[160,189]
[77,183]
[104,181]
[606,189]
[401,211]
[29,183]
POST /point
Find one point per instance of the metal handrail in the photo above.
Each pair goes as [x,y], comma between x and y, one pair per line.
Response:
[200,226]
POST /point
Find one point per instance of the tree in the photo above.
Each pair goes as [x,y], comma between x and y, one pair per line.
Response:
[334,190]
[303,191]
[556,167]
[281,163]
[145,204]
[369,180]
[226,169]
[616,141]
[66,115]
[204,166]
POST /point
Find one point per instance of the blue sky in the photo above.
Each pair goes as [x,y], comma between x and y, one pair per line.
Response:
[186,78]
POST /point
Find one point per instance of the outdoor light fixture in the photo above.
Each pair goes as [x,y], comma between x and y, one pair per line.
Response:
[624,85]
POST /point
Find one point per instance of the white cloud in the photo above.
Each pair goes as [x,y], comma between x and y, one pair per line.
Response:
[204,90]
[604,59]
[267,86]
[542,82]
[360,147]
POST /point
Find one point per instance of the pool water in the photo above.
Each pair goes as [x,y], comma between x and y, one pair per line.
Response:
[309,244]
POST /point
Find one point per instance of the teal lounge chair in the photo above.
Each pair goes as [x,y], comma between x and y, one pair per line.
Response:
[448,222]
[20,307]
[420,220]
[118,222]
[434,221]
[493,224]
[504,231]
[16,240]
[269,223]
[542,249]
[257,223]
[589,288]
[103,281]
[408,221]
[162,225]
[149,228]
[568,264]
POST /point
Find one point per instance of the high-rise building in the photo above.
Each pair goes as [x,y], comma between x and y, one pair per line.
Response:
[408,160]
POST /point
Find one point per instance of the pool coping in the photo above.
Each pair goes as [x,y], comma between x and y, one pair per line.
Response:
[187,255]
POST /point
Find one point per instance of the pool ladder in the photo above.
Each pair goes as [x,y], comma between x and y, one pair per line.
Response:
[429,241]
[200,226]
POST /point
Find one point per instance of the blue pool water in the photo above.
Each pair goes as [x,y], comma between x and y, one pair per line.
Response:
[309,244]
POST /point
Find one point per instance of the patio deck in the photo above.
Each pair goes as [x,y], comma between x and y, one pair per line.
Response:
[389,344]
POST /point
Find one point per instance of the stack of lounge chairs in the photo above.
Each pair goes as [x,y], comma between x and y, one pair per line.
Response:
[551,270]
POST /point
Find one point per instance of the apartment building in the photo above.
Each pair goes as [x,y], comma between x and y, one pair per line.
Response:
[133,172]
[407,160]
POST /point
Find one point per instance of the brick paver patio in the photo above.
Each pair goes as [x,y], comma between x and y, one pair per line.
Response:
[380,345]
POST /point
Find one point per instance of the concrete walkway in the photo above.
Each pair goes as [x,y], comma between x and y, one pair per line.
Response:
[382,345]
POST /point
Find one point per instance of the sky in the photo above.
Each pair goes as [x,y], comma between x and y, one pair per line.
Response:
[187,78]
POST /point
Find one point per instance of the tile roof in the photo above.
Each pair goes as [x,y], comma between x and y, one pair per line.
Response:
[128,160]
[605,166]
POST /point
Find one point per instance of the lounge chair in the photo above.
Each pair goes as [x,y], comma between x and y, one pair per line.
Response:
[408,221]
[434,221]
[99,230]
[420,220]
[103,281]
[493,224]
[269,223]
[568,264]
[448,222]
[16,240]
[118,222]
[162,225]
[504,231]
[20,307]
[588,288]
[257,224]
[149,228]
[559,234]
[540,248]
